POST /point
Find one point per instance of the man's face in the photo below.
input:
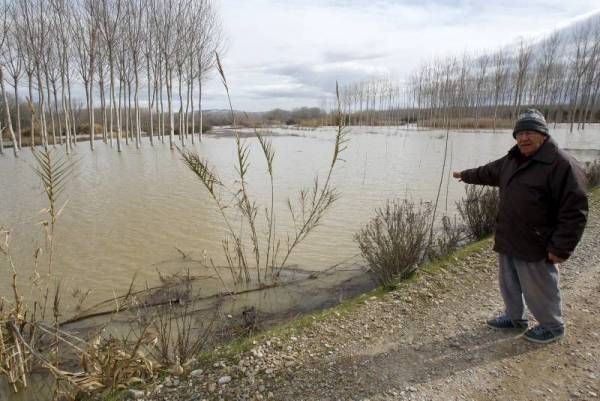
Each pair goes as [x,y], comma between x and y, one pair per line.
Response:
[529,142]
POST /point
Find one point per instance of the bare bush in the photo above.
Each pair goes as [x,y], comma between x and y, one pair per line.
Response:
[479,210]
[447,239]
[394,241]
[592,173]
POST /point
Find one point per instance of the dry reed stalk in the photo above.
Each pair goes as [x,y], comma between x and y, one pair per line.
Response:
[306,211]
[26,342]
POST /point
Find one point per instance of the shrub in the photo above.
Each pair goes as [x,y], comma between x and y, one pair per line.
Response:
[448,239]
[592,173]
[394,241]
[479,210]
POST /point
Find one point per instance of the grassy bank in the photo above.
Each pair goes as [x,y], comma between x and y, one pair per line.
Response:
[432,271]
[428,283]
[231,350]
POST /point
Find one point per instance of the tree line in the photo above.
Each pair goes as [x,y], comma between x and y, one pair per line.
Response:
[559,75]
[118,52]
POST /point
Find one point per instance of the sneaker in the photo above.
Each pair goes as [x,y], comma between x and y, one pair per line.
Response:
[504,322]
[541,335]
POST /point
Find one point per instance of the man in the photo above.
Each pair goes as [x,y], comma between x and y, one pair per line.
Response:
[542,214]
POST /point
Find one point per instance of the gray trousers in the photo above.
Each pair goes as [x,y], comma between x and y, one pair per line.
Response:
[535,283]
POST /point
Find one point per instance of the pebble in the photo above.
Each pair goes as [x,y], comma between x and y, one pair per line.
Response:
[135,394]
[171,382]
[196,373]
[224,380]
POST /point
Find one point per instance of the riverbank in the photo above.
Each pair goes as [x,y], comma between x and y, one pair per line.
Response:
[425,340]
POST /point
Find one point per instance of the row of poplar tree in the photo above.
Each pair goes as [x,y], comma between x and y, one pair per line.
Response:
[117,52]
[559,74]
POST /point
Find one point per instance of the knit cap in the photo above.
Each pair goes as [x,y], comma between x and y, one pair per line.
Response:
[531,120]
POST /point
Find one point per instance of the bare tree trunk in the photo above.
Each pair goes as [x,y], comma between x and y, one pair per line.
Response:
[191,97]
[104,114]
[201,134]
[187,109]
[121,96]
[129,112]
[113,102]
[50,109]
[54,91]
[170,107]
[161,115]
[7,114]
[18,107]
[92,112]
[101,83]
[90,118]
[151,90]
[65,110]
[42,108]
[71,112]
[181,133]
[136,101]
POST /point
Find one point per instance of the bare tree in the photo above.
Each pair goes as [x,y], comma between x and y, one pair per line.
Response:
[12,60]
[85,32]
[134,12]
[4,32]
[111,13]
[62,31]
[523,61]
[582,41]
[482,64]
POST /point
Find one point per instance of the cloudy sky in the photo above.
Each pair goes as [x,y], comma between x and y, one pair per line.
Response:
[289,53]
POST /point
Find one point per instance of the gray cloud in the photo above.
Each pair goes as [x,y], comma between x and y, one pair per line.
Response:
[288,52]
[336,56]
[324,76]
[268,92]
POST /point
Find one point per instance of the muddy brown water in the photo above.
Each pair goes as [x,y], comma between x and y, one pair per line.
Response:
[131,213]
[139,212]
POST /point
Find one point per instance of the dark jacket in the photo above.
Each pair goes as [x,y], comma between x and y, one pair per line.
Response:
[543,202]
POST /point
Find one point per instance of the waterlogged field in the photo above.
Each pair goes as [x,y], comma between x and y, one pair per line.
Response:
[137,213]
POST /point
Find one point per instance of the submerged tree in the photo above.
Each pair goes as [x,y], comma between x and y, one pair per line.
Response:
[113,49]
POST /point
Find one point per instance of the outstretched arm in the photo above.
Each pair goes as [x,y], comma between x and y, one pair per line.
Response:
[488,174]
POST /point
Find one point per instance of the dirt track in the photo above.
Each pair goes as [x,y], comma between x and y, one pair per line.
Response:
[426,341]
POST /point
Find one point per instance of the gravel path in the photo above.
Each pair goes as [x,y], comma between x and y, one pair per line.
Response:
[425,341]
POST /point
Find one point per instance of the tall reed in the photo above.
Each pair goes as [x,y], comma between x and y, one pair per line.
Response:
[306,211]
[54,172]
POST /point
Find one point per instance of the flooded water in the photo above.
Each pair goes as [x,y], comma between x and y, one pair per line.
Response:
[133,213]
[139,212]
